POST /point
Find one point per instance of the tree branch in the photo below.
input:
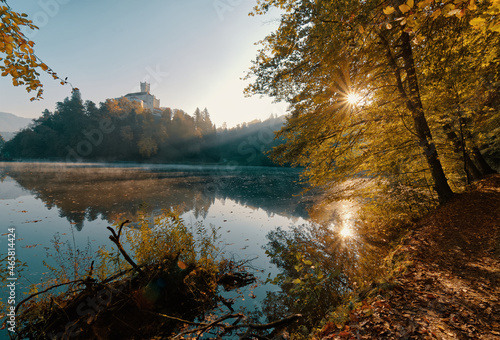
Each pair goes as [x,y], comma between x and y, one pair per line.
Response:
[116,239]
[44,291]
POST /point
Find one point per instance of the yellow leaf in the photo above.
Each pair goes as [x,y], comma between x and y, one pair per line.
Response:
[436,13]
[410,3]
[8,48]
[453,12]
[424,3]
[447,8]
[477,22]
[472,5]
[361,29]
[388,10]
[404,8]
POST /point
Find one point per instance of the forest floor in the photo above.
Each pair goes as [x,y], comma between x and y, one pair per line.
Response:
[451,289]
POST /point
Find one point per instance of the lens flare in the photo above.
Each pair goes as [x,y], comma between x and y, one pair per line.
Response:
[346,231]
[353,98]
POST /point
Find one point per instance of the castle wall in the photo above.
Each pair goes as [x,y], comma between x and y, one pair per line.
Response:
[148,100]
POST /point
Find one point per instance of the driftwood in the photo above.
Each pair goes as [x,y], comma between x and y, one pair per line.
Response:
[205,327]
[45,291]
[100,306]
[88,282]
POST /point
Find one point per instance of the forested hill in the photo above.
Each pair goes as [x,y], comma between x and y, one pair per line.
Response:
[121,130]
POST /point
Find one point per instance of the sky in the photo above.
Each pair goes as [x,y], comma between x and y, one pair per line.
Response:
[192,52]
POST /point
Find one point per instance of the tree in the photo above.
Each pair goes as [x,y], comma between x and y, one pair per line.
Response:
[147,147]
[481,15]
[16,51]
[322,52]
[460,85]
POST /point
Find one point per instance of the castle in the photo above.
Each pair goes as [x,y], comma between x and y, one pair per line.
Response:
[147,100]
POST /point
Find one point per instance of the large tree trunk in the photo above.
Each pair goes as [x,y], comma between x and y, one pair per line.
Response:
[422,130]
[414,104]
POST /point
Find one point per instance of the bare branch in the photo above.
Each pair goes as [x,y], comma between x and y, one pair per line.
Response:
[116,239]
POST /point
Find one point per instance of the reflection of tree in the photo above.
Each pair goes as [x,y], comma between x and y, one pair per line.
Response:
[276,191]
[87,193]
[317,267]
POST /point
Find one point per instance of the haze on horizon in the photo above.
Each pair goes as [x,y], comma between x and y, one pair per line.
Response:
[193,54]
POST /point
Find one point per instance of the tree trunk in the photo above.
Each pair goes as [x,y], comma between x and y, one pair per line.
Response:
[481,162]
[470,169]
[422,130]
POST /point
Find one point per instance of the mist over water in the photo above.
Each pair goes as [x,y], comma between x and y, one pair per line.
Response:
[78,202]
[116,192]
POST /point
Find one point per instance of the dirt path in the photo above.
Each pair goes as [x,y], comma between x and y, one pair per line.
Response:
[452,289]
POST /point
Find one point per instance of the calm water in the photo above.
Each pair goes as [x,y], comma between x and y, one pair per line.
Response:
[80,201]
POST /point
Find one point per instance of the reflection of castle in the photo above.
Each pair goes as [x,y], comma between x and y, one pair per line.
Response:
[147,100]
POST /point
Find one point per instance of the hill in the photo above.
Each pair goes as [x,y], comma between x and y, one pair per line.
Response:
[451,289]
[10,124]
[121,130]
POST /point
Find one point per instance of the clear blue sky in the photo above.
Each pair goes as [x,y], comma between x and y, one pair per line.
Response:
[193,52]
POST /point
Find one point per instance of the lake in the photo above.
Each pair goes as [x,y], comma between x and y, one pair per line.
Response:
[78,201]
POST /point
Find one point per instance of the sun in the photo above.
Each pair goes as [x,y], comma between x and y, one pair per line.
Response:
[346,231]
[353,98]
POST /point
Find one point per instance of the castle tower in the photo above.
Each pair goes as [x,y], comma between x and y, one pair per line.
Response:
[145,87]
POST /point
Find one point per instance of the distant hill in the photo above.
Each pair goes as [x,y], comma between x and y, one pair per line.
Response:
[10,124]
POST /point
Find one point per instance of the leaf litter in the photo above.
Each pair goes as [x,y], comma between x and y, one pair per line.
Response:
[452,288]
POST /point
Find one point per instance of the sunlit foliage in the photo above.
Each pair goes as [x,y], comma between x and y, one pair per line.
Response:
[482,15]
[17,56]
[400,131]
[168,234]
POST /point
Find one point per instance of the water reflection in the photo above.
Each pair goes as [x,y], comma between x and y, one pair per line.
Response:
[89,192]
[321,262]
